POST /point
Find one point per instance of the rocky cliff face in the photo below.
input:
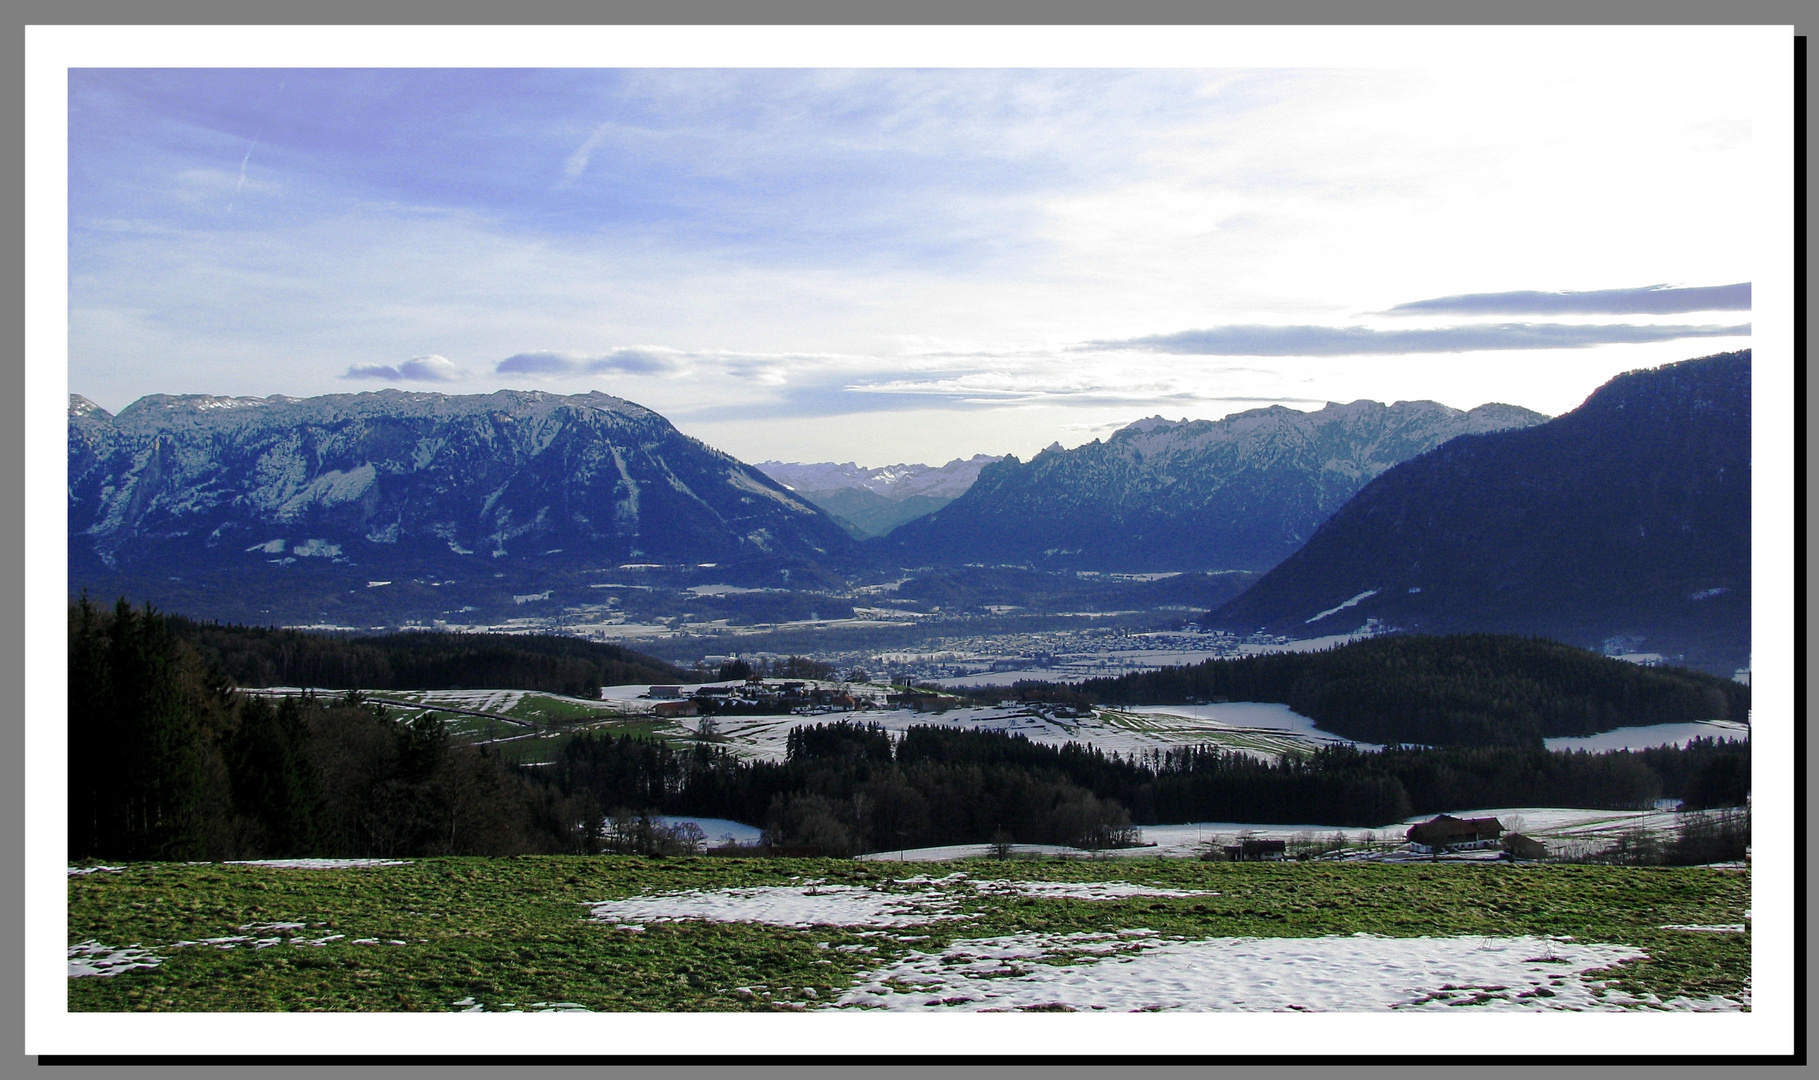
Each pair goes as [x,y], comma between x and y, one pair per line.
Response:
[397,481]
[1240,493]
[1625,522]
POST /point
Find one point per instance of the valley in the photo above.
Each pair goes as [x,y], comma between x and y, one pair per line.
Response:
[1086,692]
[637,520]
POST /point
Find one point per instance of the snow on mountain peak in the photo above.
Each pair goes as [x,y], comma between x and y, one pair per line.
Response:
[81,406]
[898,481]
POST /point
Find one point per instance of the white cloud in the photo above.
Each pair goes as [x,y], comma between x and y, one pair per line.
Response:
[547,364]
[430,368]
[850,244]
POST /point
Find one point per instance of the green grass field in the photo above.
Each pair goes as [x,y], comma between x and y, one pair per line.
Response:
[516,932]
[549,709]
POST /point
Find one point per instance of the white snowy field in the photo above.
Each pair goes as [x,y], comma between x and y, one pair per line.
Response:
[1252,716]
[497,701]
[1139,971]
[1641,738]
[1159,841]
[1552,822]
[1260,728]
[1190,840]
[1265,730]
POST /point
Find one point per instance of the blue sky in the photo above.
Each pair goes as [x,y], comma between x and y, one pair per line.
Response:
[890,265]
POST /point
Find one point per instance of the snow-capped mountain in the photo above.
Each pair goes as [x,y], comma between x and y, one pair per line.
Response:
[948,481]
[395,481]
[1240,493]
[871,502]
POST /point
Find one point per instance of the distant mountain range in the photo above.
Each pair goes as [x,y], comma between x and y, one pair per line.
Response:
[1241,493]
[394,483]
[872,502]
[1623,524]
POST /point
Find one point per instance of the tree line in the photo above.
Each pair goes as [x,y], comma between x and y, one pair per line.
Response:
[846,787]
[1454,690]
[419,660]
[169,762]
[790,667]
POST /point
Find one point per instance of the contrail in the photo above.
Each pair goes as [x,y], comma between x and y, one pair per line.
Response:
[240,183]
[248,156]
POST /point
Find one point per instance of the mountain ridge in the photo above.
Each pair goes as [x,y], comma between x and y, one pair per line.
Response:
[1240,493]
[1623,524]
[415,481]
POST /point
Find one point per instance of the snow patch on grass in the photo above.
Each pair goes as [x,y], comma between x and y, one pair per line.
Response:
[1361,973]
[318,864]
[806,904]
[1082,890]
[469,1005]
[91,958]
[814,903]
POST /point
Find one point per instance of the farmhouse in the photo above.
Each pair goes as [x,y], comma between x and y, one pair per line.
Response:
[1256,849]
[676,708]
[1448,833]
[666,691]
[1517,846]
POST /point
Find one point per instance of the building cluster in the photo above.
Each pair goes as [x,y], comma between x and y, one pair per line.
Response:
[1438,836]
[756,697]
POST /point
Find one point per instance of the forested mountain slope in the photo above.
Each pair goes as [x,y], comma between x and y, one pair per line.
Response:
[1624,521]
[1240,493]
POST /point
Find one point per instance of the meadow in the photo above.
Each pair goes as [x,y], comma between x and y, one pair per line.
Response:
[627,933]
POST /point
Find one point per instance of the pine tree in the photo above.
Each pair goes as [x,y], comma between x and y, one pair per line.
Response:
[271,776]
[93,742]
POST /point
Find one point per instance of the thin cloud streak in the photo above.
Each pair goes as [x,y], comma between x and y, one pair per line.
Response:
[1649,300]
[1364,341]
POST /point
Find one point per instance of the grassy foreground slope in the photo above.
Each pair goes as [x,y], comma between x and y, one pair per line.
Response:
[515,932]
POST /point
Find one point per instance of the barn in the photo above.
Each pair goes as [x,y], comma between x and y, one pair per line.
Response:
[1448,833]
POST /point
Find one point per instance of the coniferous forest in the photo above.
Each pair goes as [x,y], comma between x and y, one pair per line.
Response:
[845,787]
[169,762]
[1456,690]
[419,660]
